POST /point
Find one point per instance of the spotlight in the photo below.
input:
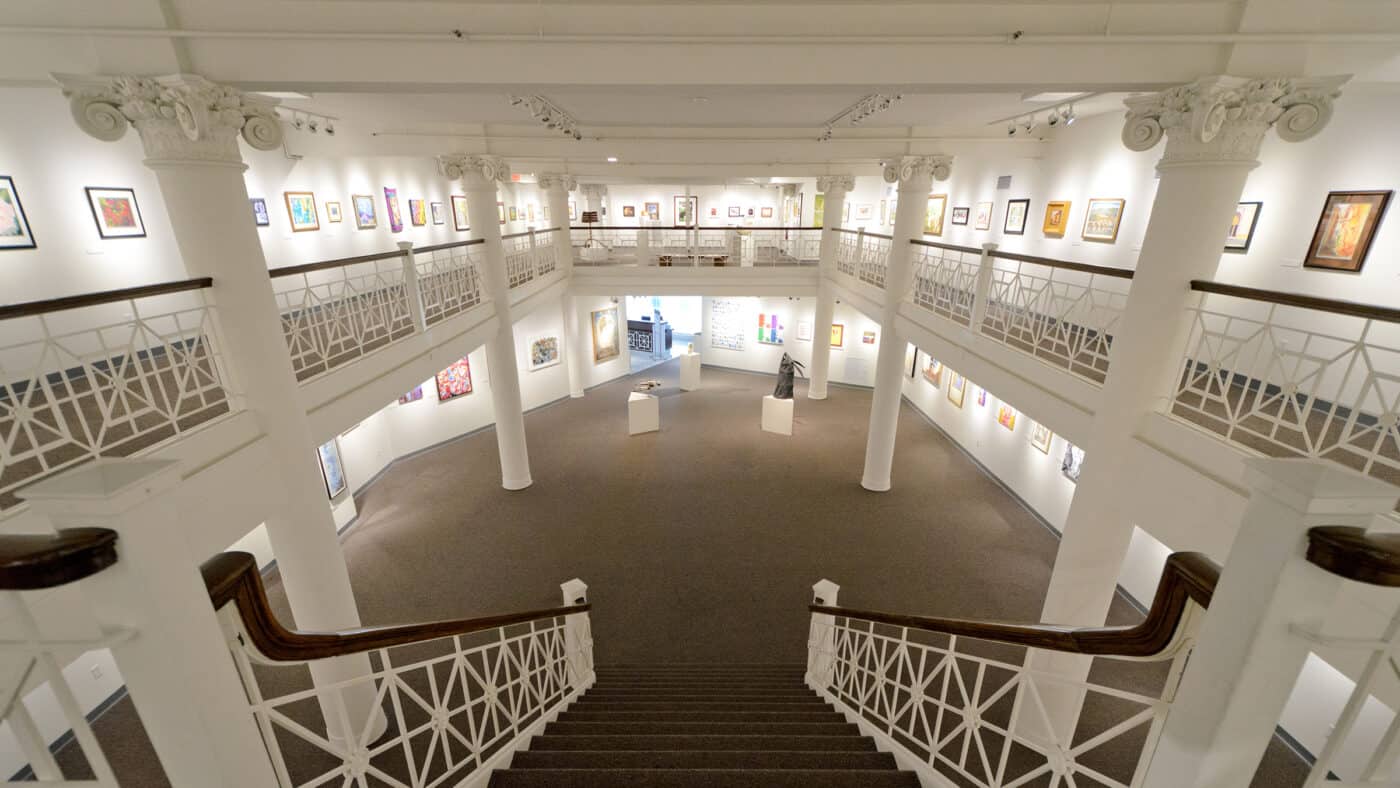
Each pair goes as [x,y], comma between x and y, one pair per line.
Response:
[1011,129]
[612,160]
[330,128]
[1029,123]
[1053,120]
[1069,116]
[313,125]
[297,122]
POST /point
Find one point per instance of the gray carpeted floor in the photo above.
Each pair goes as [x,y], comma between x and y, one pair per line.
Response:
[700,542]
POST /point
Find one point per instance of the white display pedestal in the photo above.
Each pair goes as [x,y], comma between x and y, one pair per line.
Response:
[690,372]
[643,413]
[777,415]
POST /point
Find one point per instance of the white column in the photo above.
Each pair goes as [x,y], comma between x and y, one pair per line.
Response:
[834,187]
[177,666]
[915,176]
[480,176]
[1247,659]
[190,128]
[556,189]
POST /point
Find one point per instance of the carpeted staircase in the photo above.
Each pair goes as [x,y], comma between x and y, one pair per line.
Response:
[701,726]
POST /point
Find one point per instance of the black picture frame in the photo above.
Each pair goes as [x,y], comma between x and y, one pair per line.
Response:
[21,217]
[1025,217]
[962,213]
[1249,234]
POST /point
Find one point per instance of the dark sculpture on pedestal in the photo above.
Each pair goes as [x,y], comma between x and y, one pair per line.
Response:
[786,369]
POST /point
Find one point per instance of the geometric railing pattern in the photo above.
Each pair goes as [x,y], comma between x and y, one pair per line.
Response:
[449,281]
[973,712]
[105,381]
[529,256]
[864,256]
[945,281]
[705,246]
[450,704]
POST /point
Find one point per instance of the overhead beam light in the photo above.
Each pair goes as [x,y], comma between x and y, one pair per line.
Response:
[548,114]
[863,109]
[302,120]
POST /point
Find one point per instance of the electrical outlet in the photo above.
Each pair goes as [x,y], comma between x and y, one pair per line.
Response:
[97,671]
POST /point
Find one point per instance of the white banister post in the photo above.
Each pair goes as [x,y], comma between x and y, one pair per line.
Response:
[644,256]
[983,292]
[534,255]
[578,639]
[411,289]
[834,189]
[1247,659]
[177,665]
[821,643]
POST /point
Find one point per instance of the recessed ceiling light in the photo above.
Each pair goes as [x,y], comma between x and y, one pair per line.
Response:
[612,160]
[1051,95]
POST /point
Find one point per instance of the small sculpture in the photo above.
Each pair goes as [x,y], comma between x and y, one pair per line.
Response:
[647,385]
[786,369]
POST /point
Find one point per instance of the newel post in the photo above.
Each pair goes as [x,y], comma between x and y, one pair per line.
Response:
[821,643]
[578,637]
[1247,659]
[983,292]
[411,289]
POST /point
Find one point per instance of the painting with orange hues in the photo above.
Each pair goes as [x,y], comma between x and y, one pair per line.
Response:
[116,212]
[1345,229]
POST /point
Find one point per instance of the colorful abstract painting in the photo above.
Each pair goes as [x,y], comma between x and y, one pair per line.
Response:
[607,344]
[1056,218]
[417,212]
[14,226]
[260,217]
[933,370]
[391,204]
[1102,218]
[1006,416]
[1345,229]
[116,212]
[301,209]
[867,337]
[838,335]
[455,381]
[544,352]
[770,329]
[411,396]
[365,216]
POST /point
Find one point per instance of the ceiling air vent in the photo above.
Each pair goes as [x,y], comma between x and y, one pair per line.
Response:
[1003,182]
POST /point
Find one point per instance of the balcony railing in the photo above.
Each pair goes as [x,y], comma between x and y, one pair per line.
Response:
[945,279]
[530,255]
[696,246]
[105,375]
[864,256]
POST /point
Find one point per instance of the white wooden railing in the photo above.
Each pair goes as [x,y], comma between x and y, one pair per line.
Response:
[863,256]
[696,246]
[529,255]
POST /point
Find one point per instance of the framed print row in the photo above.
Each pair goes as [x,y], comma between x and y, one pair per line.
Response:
[303,215]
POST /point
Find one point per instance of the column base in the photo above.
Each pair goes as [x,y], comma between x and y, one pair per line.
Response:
[576,394]
[517,484]
[875,485]
[816,394]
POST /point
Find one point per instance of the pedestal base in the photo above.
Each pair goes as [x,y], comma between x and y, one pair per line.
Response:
[777,415]
[690,372]
[643,413]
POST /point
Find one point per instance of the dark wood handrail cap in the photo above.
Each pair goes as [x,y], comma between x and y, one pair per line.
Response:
[1355,554]
[33,561]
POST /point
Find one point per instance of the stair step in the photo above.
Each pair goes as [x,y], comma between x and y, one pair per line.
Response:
[701,759]
[702,729]
[702,666]
[584,704]
[574,715]
[548,741]
[701,778]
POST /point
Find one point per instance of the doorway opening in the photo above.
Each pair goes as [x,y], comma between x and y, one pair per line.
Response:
[660,328]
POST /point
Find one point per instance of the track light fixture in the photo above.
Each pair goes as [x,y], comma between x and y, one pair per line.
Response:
[548,114]
[864,108]
[302,120]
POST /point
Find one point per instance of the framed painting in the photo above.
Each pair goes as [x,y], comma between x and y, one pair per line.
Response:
[957,389]
[1041,437]
[981,397]
[804,331]
[1241,232]
[413,395]
[845,213]
[606,343]
[894,206]
[865,212]
[629,211]
[14,225]
[333,212]
[714,212]
[838,335]
[438,213]
[459,213]
[365,216]
[1006,416]
[530,212]
[984,216]
[1072,462]
[1345,229]
[766,212]
[735,212]
[750,213]
[301,209]
[686,209]
[544,352]
[884,211]
[867,337]
[331,469]
[1102,218]
[260,217]
[501,211]
[116,212]
[960,215]
[511,214]
[1016,213]
[1056,219]
[770,329]
[933,370]
[417,212]
[455,381]
[652,210]
[391,206]
[933,215]
[819,210]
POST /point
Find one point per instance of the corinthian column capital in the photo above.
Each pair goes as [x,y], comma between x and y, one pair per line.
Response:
[555,180]
[916,173]
[1222,119]
[830,183]
[474,169]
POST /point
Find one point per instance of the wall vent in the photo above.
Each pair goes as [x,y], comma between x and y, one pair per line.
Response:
[1003,182]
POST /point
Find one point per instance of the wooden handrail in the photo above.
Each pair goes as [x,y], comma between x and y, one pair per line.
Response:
[1050,262]
[450,245]
[1355,554]
[864,233]
[527,232]
[234,577]
[949,247]
[32,308]
[1335,306]
[293,270]
[1187,576]
[33,561]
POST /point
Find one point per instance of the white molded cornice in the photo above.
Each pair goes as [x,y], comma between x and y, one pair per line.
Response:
[556,180]
[183,117]
[474,169]
[831,183]
[1222,119]
[919,172]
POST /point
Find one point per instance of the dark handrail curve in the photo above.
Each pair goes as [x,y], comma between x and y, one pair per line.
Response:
[293,270]
[1355,554]
[1050,262]
[1335,306]
[949,247]
[1186,577]
[234,577]
[34,561]
[32,308]
[449,245]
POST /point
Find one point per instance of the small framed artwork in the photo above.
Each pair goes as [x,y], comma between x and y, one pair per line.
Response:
[984,216]
[14,225]
[438,213]
[391,204]
[1056,219]
[301,209]
[653,211]
[846,213]
[1072,463]
[415,394]
[766,212]
[933,218]
[750,213]
[530,211]
[838,335]
[1345,229]
[459,213]
[333,212]
[804,331]
[1016,213]
[116,212]
[884,210]
[957,389]
[981,397]
[365,216]
[1041,437]
[501,209]
[894,206]
[455,381]
[629,211]
[686,210]
[417,212]
[1006,416]
[331,469]
[770,328]
[867,337]
[260,217]
[865,212]
[933,370]
[714,212]
[573,211]
[1241,231]
[960,215]
[735,212]
[1102,218]
[510,213]
[544,352]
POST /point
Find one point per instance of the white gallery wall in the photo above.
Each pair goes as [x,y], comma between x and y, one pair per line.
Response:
[853,363]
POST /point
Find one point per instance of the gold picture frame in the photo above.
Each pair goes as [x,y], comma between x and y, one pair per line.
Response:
[1056,218]
[1102,219]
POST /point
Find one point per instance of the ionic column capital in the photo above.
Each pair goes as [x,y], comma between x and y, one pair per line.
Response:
[1223,119]
[183,117]
[917,173]
[831,183]
[474,169]
[556,180]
